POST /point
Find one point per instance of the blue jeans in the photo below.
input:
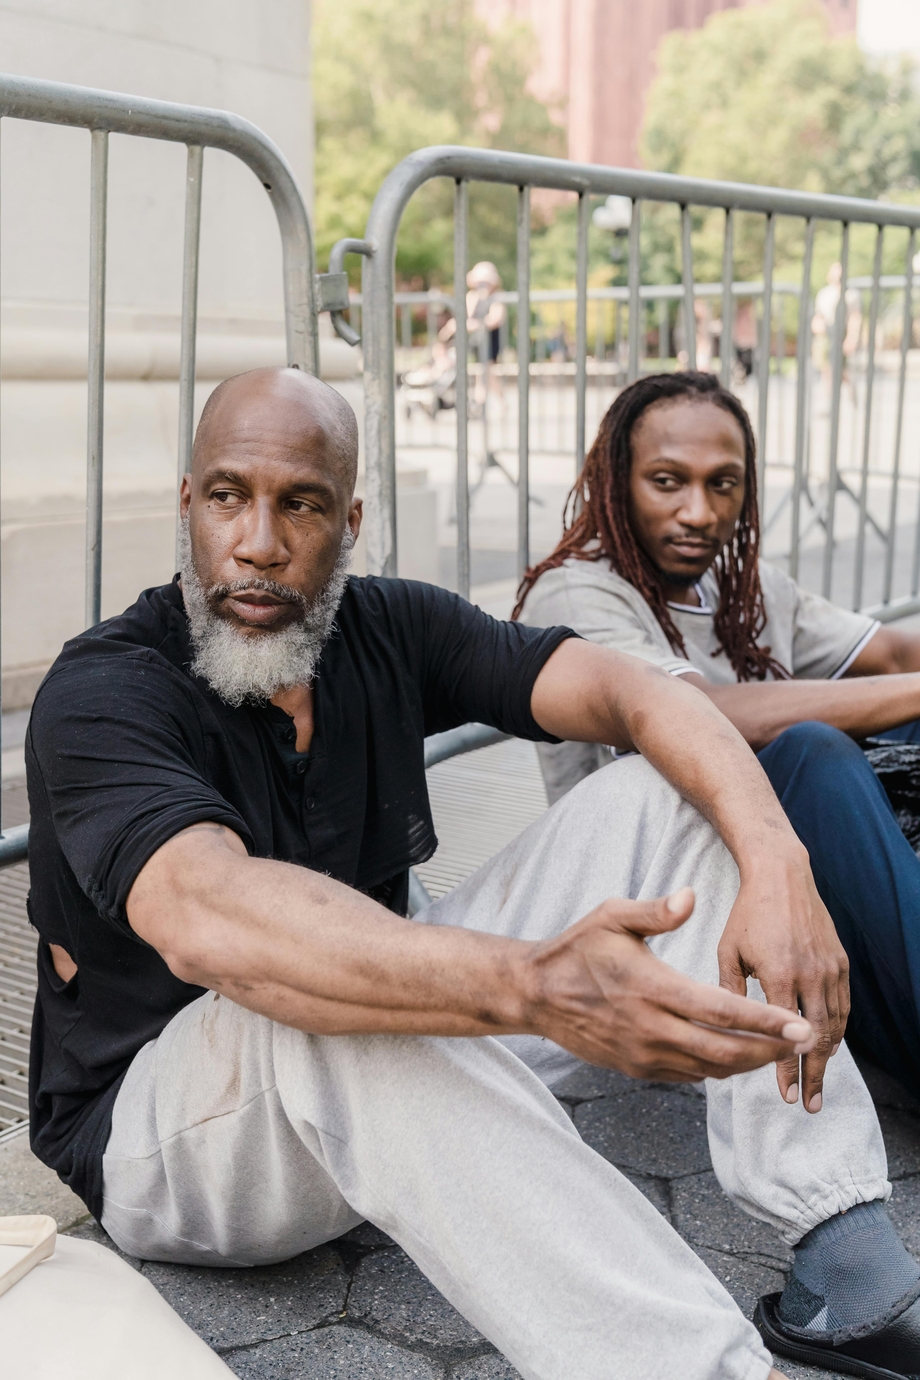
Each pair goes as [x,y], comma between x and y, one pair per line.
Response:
[869,879]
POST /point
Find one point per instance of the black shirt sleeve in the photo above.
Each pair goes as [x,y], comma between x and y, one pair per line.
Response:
[472,668]
[116,746]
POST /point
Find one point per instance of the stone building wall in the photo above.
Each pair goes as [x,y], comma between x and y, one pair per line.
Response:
[233,54]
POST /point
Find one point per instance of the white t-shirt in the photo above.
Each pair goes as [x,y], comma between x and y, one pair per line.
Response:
[813,639]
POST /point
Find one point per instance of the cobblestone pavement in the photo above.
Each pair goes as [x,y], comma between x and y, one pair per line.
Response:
[358,1309]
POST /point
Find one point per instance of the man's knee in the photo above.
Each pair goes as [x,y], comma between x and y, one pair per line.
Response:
[630,777]
[816,739]
[810,744]
[817,760]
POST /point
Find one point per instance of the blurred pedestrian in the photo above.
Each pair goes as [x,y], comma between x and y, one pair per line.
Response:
[485,316]
[744,337]
[827,302]
[702,316]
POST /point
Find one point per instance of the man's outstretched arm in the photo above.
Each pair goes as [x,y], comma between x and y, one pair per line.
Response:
[305,950]
[778,930]
[869,703]
[881,690]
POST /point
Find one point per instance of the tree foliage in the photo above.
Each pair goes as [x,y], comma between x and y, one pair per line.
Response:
[765,94]
[391,76]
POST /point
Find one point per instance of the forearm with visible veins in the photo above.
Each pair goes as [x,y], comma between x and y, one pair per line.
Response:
[309,952]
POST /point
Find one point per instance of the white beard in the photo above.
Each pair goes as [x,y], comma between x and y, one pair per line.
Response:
[255,666]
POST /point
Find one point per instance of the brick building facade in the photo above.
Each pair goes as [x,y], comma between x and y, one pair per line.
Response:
[598,58]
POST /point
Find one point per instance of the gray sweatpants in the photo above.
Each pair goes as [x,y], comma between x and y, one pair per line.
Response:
[239,1141]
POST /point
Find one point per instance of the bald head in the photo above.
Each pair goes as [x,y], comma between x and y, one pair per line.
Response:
[281,406]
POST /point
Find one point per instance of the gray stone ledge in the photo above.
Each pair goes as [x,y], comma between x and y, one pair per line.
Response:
[391,1295]
[233,1308]
[332,1353]
[657,1131]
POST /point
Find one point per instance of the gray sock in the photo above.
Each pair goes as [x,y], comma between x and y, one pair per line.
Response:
[849,1272]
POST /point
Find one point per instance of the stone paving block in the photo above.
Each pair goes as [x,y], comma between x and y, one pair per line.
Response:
[902,1141]
[656,1190]
[793,1371]
[904,1211]
[231,1308]
[588,1082]
[704,1216]
[27,1186]
[390,1294]
[493,1367]
[366,1237]
[745,1280]
[90,1230]
[332,1353]
[654,1131]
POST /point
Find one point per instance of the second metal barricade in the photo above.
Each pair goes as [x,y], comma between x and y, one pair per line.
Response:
[838,484]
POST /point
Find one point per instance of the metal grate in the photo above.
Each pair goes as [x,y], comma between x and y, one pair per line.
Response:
[480,802]
[17,994]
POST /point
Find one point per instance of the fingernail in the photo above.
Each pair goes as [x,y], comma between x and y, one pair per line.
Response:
[835,1049]
[804,1048]
[678,901]
[792,1093]
[796,1031]
[815,1103]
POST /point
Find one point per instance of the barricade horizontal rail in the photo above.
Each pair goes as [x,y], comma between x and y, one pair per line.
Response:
[808,455]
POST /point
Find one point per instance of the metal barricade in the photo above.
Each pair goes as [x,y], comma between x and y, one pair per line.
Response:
[802,469]
[105,112]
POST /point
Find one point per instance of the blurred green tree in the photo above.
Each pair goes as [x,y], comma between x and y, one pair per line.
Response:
[765,94]
[393,75]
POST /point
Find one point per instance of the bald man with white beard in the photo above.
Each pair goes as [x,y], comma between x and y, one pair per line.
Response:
[242,1045]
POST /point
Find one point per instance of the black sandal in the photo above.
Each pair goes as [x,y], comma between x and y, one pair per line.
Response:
[892,1352]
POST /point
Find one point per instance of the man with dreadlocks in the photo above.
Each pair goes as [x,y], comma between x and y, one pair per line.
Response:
[660,558]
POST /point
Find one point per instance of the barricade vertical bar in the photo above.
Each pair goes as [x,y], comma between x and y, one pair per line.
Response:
[1,638]
[763,363]
[461,253]
[726,340]
[378,340]
[803,363]
[906,332]
[664,329]
[96,373]
[635,273]
[600,343]
[190,255]
[581,329]
[867,421]
[523,363]
[686,255]
[836,383]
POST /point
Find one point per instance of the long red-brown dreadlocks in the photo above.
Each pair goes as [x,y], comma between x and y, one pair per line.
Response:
[597,526]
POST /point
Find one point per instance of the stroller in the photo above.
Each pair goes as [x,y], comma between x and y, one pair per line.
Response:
[433,386]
